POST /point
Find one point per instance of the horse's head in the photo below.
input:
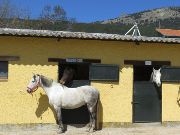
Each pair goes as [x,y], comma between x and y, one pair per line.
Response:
[34,83]
[156,77]
[67,75]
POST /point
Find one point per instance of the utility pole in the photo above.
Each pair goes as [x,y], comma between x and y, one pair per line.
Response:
[159,24]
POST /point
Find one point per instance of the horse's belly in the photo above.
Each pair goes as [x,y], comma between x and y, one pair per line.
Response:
[72,98]
[72,105]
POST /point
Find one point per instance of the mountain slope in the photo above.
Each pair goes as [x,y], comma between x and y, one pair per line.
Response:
[148,17]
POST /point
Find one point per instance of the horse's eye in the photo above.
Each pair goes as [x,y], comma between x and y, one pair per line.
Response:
[34,79]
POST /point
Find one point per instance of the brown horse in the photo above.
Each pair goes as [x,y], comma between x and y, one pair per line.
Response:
[68,76]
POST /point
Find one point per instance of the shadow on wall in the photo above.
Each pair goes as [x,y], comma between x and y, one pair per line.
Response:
[99,122]
[43,106]
[178,98]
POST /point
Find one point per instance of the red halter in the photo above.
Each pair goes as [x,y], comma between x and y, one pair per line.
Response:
[35,87]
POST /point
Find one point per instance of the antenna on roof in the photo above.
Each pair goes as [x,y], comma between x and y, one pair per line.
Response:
[136,30]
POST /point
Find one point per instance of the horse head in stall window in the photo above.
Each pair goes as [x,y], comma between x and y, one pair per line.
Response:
[156,77]
[68,76]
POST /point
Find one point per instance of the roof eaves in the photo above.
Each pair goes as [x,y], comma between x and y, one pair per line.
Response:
[84,35]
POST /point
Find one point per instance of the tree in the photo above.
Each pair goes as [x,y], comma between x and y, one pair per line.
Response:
[59,14]
[46,13]
[7,10]
[24,13]
[70,23]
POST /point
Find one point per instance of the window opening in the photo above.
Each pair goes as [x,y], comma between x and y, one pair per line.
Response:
[3,69]
[81,72]
[143,73]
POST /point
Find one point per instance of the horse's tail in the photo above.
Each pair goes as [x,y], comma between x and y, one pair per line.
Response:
[97,112]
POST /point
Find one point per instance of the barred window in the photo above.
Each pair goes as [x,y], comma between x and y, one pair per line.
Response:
[104,72]
[170,74]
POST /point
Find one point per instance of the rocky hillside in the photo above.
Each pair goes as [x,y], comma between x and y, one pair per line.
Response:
[148,17]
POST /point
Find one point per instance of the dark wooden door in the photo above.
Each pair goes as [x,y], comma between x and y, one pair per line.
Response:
[146,102]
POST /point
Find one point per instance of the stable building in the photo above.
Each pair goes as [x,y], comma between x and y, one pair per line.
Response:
[118,66]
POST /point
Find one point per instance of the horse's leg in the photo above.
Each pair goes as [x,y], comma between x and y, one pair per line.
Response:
[92,104]
[92,111]
[90,120]
[59,120]
[94,118]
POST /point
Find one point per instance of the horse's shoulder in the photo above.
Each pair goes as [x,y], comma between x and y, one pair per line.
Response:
[56,88]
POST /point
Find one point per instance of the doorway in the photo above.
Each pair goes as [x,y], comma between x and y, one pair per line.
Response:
[147,99]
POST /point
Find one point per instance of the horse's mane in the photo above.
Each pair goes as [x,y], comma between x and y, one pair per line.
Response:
[151,79]
[46,81]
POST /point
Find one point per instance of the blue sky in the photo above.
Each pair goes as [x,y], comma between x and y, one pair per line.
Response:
[95,10]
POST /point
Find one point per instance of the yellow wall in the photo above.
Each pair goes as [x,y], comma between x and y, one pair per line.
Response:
[18,107]
[171,108]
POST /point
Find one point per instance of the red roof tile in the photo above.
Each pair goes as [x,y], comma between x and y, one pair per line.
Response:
[169,32]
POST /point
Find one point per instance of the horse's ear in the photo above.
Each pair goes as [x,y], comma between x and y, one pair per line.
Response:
[159,69]
[33,74]
[153,69]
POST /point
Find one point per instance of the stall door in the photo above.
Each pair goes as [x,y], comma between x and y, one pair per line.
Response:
[146,102]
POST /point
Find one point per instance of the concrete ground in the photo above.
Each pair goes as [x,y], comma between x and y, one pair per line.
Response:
[169,128]
[105,131]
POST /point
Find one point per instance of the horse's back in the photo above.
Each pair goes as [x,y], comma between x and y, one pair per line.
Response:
[85,90]
[88,88]
[91,94]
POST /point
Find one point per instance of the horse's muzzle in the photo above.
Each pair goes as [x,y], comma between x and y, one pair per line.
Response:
[28,90]
[159,84]
[62,82]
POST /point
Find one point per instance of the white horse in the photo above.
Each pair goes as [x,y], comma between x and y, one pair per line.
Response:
[156,77]
[61,96]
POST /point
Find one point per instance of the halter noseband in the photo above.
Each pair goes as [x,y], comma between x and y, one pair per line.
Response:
[35,87]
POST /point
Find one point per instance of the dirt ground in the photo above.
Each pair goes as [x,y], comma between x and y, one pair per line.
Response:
[106,131]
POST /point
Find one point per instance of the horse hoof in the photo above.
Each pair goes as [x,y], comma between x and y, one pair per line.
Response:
[60,131]
[90,130]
